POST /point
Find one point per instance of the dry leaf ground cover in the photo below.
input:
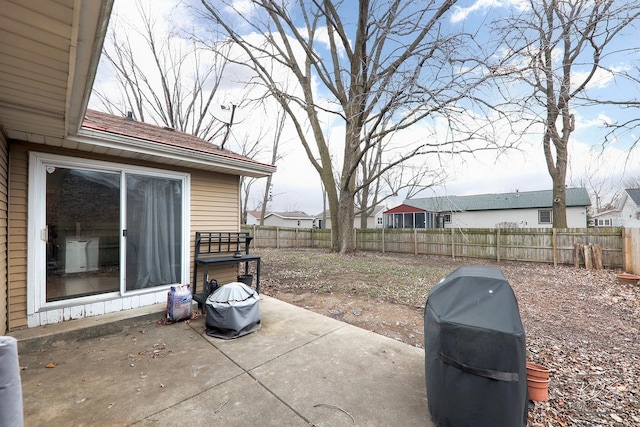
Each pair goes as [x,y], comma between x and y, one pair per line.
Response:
[580,323]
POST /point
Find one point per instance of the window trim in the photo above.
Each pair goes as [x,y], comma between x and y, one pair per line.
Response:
[446,218]
[36,223]
[541,211]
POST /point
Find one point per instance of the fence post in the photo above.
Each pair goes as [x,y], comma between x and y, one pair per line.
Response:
[295,239]
[415,241]
[255,237]
[453,243]
[383,240]
[498,244]
[631,250]
[277,237]
[554,243]
[355,238]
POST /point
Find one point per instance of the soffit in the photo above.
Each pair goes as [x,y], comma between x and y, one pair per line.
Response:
[49,52]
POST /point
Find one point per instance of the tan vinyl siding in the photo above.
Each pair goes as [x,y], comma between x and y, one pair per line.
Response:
[17,251]
[215,206]
[4,289]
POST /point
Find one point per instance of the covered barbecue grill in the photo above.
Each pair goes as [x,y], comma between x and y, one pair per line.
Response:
[232,310]
[475,355]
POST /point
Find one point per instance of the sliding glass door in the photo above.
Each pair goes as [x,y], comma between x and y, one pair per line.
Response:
[101,230]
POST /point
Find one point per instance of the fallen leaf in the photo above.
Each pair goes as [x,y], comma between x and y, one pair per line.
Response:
[50,365]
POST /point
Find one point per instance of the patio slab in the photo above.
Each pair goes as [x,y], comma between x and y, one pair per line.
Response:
[299,369]
[284,328]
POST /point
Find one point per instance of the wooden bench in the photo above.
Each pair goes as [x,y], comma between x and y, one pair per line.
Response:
[219,248]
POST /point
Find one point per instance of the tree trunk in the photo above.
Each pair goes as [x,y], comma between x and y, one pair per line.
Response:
[559,203]
[364,211]
[265,199]
[346,216]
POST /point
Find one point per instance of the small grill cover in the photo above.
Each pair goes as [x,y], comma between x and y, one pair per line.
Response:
[475,351]
[232,311]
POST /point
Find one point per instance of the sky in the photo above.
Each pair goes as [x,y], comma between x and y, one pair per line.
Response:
[296,186]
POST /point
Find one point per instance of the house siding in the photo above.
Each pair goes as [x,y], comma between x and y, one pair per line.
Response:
[523,218]
[4,291]
[214,206]
[629,214]
[276,221]
[17,237]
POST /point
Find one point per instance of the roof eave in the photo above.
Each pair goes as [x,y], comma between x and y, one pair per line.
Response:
[197,159]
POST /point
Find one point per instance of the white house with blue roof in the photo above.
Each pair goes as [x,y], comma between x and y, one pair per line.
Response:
[521,209]
[626,214]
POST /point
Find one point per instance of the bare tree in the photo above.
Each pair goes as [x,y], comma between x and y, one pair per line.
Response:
[559,49]
[164,78]
[168,81]
[603,194]
[252,147]
[275,156]
[632,182]
[390,66]
[253,150]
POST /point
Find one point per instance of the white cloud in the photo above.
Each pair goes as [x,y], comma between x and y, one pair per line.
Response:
[244,7]
[463,13]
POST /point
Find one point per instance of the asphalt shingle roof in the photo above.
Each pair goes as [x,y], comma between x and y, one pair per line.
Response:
[122,126]
[291,215]
[482,202]
[634,193]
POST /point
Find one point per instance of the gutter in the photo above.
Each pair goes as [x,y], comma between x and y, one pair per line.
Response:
[88,31]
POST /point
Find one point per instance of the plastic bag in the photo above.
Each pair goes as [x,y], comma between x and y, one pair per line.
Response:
[179,303]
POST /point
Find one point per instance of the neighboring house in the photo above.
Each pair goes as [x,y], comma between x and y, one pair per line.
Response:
[374,220]
[627,214]
[99,211]
[293,219]
[253,217]
[528,209]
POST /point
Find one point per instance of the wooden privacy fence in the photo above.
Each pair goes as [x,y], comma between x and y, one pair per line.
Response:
[547,245]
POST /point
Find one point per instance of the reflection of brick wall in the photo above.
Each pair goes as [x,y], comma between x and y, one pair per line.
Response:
[93,205]
[87,202]
[72,199]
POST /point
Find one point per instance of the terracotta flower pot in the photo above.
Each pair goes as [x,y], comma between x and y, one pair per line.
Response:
[627,278]
[538,389]
[537,372]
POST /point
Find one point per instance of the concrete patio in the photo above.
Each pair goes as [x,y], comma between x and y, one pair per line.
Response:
[300,369]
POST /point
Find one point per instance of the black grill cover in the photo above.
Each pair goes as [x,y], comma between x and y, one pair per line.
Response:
[475,351]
